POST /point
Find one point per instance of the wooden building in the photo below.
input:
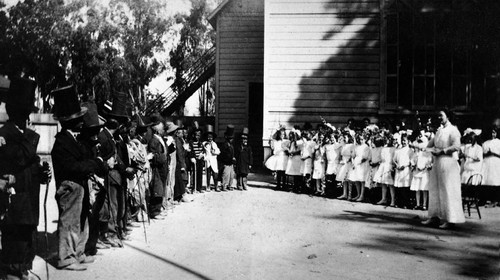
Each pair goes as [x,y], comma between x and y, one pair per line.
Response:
[341,59]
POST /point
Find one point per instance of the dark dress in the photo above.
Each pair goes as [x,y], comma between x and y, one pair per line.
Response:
[244,158]
[18,157]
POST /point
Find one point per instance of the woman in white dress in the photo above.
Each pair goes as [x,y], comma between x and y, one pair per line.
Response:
[345,164]
[491,163]
[445,194]
[360,167]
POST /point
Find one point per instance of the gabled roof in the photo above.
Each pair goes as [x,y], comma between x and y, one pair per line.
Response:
[212,18]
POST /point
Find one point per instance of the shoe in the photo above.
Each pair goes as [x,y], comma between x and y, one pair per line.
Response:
[163,213]
[424,208]
[245,189]
[101,245]
[392,205]
[342,197]
[134,225]
[430,221]
[360,199]
[158,218]
[185,199]
[75,267]
[381,202]
[446,225]
[224,190]
[88,259]
[418,207]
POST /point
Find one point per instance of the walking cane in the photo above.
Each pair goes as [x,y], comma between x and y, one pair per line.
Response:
[45,164]
[142,213]
[195,178]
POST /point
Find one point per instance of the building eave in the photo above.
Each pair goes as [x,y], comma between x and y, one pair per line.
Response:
[212,18]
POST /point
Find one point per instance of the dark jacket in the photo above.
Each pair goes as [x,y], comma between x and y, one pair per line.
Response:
[244,158]
[71,160]
[18,157]
[180,169]
[159,167]
[226,156]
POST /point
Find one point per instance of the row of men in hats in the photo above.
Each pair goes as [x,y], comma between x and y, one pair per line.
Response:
[103,173]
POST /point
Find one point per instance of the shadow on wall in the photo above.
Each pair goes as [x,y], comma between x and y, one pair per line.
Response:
[347,83]
[471,248]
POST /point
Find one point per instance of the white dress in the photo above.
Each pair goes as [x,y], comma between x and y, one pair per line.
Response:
[360,164]
[402,157]
[294,161]
[332,158]
[306,155]
[385,169]
[473,162]
[319,163]
[375,157]
[346,154]
[445,193]
[491,164]
[422,160]
[279,159]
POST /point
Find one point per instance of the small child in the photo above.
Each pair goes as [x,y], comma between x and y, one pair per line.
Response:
[279,160]
[244,160]
[332,152]
[374,162]
[402,178]
[346,153]
[319,164]
[384,175]
[421,163]
[227,159]
[360,167]
[306,155]
[294,160]
[210,153]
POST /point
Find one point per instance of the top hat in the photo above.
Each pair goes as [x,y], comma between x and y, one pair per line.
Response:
[119,107]
[196,126]
[244,133]
[179,124]
[229,131]
[20,97]
[210,130]
[155,119]
[92,118]
[66,105]
[171,127]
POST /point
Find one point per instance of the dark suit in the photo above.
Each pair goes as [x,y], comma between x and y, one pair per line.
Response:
[180,170]
[72,168]
[159,169]
[18,157]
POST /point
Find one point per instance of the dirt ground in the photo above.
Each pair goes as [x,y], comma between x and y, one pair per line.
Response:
[268,234]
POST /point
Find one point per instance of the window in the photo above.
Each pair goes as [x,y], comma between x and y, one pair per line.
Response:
[439,53]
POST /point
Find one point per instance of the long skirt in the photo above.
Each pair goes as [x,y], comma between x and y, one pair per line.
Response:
[445,194]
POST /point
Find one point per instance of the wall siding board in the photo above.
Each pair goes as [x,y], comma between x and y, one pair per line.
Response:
[240,36]
[322,58]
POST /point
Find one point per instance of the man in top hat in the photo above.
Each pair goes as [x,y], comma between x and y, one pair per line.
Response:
[181,172]
[95,198]
[244,160]
[196,158]
[227,159]
[20,177]
[73,166]
[210,153]
[111,141]
[158,151]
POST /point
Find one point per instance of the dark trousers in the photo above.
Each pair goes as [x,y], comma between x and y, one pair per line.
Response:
[18,251]
[155,204]
[98,216]
[213,175]
[72,226]
[197,178]
[242,181]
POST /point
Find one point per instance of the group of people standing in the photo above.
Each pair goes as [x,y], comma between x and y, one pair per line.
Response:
[111,173]
[422,169]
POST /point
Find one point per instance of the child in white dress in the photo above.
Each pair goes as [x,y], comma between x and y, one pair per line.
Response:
[491,163]
[384,176]
[421,164]
[374,161]
[360,167]
[472,158]
[332,151]
[402,178]
[345,164]
[319,160]
[294,161]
